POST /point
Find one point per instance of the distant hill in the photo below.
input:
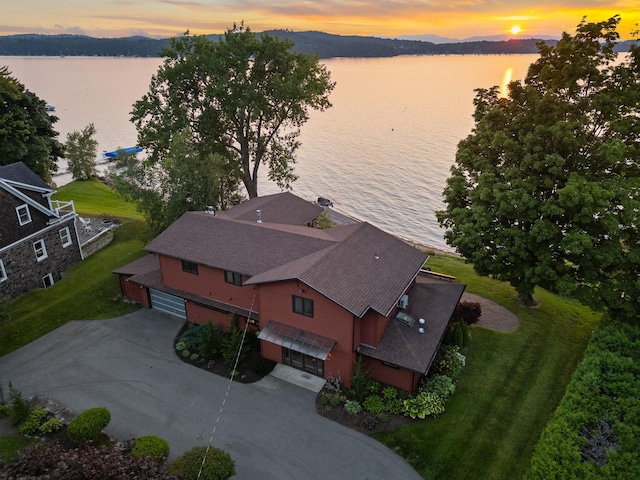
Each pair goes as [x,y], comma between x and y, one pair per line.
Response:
[322,44]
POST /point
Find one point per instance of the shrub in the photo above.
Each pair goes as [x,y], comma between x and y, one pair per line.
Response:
[210,341]
[107,463]
[88,425]
[20,407]
[395,406]
[233,347]
[352,407]
[449,361]
[150,446]
[372,386]
[180,346]
[441,385]
[31,424]
[368,421]
[335,400]
[192,336]
[217,466]
[185,353]
[359,380]
[52,425]
[373,404]
[424,404]
[468,312]
[389,393]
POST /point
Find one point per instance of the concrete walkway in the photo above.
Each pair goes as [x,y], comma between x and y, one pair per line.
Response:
[127,364]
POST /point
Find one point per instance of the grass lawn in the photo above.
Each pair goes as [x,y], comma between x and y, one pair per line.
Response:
[510,386]
[11,445]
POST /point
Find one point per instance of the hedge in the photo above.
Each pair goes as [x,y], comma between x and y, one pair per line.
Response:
[88,425]
[595,431]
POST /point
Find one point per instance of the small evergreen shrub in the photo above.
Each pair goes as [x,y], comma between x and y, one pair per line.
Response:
[88,425]
[20,407]
[210,341]
[150,446]
[352,407]
[373,404]
[359,381]
[217,466]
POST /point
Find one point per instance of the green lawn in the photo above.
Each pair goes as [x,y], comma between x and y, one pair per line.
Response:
[510,386]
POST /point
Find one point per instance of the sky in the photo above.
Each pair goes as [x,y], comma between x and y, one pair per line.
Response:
[448,18]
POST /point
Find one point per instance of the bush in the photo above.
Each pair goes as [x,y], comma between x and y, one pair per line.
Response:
[20,407]
[352,407]
[233,347]
[88,425]
[449,361]
[217,466]
[373,404]
[359,381]
[150,446]
[372,387]
[107,463]
[52,425]
[424,404]
[468,312]
[210,341]
[441,385]
[394,406]
[389,393]
[31,424]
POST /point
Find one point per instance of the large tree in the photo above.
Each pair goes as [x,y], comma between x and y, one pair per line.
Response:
[544,191]
[26,129]
[243,97]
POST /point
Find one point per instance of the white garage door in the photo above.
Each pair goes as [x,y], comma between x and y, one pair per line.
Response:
[168,303]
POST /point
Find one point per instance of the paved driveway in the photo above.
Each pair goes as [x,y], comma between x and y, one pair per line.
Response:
[270,428]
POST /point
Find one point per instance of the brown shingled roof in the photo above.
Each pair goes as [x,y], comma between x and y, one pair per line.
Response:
[401,345]
[277,208]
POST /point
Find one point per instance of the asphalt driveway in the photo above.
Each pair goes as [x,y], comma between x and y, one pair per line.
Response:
[270,428]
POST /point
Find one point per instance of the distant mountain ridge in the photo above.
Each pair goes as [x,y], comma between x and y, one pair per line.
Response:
[324,45]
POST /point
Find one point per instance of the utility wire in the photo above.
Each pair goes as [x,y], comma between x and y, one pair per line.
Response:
[226,395]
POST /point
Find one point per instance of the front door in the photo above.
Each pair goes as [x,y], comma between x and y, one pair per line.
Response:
[303,362]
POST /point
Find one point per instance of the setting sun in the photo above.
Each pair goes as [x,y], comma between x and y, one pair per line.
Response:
[515,29]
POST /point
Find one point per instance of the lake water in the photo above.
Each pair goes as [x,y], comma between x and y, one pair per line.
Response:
[382,153]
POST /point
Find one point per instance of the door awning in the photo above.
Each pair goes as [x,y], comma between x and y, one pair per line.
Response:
[297,340]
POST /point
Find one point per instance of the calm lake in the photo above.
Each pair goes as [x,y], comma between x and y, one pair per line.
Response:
[382,153]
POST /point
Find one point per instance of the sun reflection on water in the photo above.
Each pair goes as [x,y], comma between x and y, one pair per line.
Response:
[506,80]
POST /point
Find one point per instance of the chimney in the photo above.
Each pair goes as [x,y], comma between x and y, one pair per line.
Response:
[258,216]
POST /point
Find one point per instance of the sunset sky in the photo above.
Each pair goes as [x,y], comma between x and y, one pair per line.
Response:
[448,18]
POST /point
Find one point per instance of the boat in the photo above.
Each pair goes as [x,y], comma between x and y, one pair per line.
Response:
[324,202]
[49,108]
[122,151]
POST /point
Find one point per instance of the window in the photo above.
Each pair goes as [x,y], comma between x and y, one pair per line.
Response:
[3,272]
[233,278]
[47,280]
[189,267]
[303,306]
[65,237]
[40,249]
[24,215]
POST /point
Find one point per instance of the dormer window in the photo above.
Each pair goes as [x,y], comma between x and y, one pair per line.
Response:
[24,215]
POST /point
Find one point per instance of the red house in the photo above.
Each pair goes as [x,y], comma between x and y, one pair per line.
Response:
[318,298]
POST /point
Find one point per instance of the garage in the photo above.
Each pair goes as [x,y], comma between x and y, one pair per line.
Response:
[168,303]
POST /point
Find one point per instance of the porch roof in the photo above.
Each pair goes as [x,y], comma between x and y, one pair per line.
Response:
[297,339]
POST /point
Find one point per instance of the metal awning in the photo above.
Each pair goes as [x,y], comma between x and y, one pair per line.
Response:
[297,340]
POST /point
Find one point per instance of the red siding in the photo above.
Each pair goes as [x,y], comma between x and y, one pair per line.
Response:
[372,326]
[329,320]
[208,283]
[135,293]
[396,377]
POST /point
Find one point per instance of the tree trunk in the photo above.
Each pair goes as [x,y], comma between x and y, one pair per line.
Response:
[251,185]
[526,300]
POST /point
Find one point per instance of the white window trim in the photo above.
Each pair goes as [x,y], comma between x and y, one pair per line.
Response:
[65,237]
[50,277]
[44,250]
[3,272]
[24,208]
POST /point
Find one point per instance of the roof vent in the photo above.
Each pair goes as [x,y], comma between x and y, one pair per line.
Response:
[258,216]
[404,301]
[421,330]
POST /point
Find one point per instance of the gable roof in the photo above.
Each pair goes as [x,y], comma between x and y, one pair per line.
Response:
[284,208]
[357,266]
[18,174]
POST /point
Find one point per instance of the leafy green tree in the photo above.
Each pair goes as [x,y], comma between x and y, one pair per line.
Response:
[81,152]
[26,129]
[545,190]
[185,179]
[243,97]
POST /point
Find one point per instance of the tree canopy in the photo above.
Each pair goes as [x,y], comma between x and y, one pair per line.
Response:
[26,129]
[544,191]
[81,150]
[243,97]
